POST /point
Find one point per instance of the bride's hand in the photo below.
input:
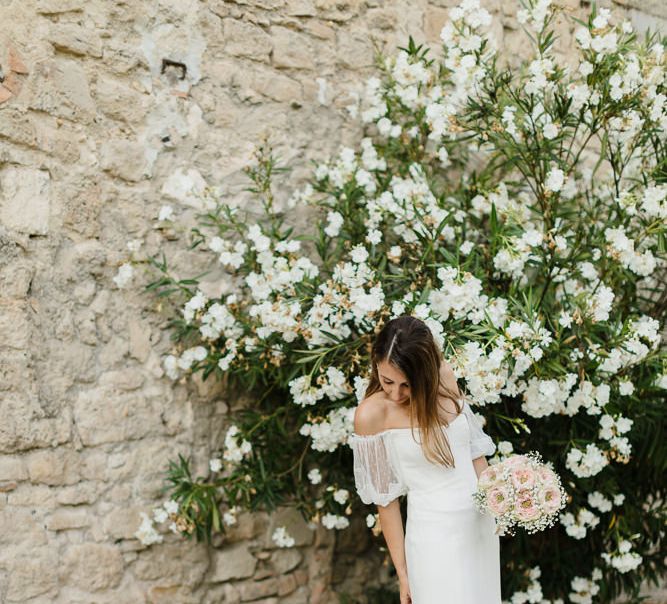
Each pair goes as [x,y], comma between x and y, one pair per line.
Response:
[405,592]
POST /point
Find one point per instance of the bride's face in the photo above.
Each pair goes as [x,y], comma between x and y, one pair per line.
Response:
[393,382]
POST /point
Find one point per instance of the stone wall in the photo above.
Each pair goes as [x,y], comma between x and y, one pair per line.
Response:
[107,111]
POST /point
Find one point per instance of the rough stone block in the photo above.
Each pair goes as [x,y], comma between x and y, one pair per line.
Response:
[54,466]
[81,207]
[126,379]
[14,320]
[15,277]
[104,416]
[92,567]
[31,575]
[286,584]
[319,30]
[15,61]
[353,51]
[25,199]
[181,563]
[643,22]
[652,7]
[166,594]
[5,94]
[122,523]
[32,496]
[12,468]
[14,369]
[120,101]
[18,127]
[295,525]
[75,39]
[68,519]
[258,589]
[60,87]
[83,293]
[54,7]
[86,327]
[140,339]
[301,8]
[257,83]
[82,492]
[300,596]
[434,20]
[13,83]
[248,526]
[78,261]
[291,49]
[285,560]
[382,18]
[31,531]
[22,427]
[94,464]
[125,159]
[234,562]
[243,39]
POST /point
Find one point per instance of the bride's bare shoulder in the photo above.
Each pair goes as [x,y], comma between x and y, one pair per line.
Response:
[448,377]
[370,415]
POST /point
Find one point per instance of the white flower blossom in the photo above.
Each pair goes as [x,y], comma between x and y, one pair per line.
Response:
[315,476]
[555,180]
[234,451]
[341,495]
[599,501]
[623,560]
[146,532]
[282,538]
[588,463]
[333,521]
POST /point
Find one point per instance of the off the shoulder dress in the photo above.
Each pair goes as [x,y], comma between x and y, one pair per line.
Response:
[452,553]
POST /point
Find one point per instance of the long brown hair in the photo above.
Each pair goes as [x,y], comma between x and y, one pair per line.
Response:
[407,343]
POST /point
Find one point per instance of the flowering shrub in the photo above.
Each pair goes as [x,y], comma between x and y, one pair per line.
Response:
[522,215]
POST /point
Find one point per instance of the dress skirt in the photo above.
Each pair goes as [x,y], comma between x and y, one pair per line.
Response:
[452,556]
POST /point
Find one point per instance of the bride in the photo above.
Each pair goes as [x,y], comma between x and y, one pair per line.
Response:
[414,434]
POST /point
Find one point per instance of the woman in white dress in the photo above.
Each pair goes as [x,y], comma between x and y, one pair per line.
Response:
[414,434]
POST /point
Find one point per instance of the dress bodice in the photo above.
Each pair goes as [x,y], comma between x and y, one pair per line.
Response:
[425,480]
[392,462]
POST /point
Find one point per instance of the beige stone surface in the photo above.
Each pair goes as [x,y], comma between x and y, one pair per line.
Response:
[25,199]
[234,562]
[97,132]
[92,567]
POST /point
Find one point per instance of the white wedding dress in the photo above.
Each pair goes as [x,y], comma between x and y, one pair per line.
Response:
[452,553]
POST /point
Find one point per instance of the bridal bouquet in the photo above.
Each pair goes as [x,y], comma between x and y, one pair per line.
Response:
[520,491]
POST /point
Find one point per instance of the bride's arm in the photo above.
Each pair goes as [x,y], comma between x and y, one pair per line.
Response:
[391,524]
[480,464]
[369,418]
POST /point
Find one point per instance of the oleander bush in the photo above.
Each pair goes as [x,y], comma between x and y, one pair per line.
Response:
[521,213]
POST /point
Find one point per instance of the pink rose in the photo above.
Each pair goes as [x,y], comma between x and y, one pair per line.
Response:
[498,500]
[523,478]
[526,507]
[489,477]
[550,499]
[546,475]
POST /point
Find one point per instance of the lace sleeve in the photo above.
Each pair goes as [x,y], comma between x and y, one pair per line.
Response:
[480,442]
[376,476]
